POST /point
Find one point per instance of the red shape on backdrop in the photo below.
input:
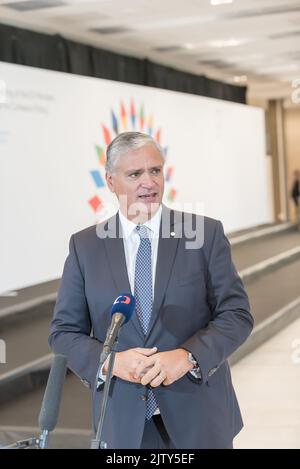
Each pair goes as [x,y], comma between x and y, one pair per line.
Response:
[96,203]
[106,134]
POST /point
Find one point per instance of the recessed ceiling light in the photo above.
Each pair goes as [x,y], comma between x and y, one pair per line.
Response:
[228,42]
[220,2]
[240,79]
[190,46]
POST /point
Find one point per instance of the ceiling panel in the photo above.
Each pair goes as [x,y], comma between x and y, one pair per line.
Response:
[192,35]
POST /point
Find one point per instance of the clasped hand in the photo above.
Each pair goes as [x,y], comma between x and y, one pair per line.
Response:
[149,367]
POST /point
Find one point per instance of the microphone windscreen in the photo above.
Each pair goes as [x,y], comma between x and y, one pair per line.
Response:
[50,406]
[125,304]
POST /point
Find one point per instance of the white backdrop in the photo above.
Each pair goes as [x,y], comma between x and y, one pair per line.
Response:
[50,123]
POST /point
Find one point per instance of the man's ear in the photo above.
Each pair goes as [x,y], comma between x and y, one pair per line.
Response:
[109,181]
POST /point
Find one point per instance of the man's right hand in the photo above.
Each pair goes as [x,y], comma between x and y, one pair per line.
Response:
[127,362]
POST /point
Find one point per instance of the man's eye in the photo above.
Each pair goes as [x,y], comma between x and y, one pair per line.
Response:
[156,171]
[133,175]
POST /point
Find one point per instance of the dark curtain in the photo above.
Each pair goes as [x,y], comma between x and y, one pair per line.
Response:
[26,47]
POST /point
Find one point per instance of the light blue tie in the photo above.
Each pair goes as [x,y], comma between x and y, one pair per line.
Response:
[143,296]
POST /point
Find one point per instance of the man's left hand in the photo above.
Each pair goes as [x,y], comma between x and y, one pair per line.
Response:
[164,368]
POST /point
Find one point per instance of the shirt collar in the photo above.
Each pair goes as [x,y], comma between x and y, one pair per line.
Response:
[153,224]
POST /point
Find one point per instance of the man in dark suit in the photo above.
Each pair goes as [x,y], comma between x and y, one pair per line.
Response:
[171,385]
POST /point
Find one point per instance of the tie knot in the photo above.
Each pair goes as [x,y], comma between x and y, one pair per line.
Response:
[142,231]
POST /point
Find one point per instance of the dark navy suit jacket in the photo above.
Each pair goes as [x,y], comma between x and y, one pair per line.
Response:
[199,304]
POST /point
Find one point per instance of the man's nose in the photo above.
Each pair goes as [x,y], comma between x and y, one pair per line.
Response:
[147,179]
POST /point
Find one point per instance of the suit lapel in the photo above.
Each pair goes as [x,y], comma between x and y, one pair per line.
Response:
[167,248]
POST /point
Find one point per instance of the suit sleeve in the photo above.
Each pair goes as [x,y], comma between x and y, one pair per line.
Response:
[231,321]
[71,325]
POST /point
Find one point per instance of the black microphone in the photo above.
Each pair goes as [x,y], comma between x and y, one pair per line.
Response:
[52,398]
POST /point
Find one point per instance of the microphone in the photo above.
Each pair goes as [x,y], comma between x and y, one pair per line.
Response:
[121,312]
[52,398]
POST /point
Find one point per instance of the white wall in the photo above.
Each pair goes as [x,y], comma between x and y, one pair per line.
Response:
[49,126]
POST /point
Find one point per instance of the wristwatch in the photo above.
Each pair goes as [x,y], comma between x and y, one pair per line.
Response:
[195,371]
[193,361]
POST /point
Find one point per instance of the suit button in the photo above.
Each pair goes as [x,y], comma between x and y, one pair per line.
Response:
[143,397]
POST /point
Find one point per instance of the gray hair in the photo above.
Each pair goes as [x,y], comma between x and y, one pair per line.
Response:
[125,142]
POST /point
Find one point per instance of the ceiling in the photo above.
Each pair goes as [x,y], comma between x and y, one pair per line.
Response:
[257,39]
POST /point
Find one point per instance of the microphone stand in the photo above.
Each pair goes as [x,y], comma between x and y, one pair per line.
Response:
[97,443]
[43,440]
[30,443]
[48,415]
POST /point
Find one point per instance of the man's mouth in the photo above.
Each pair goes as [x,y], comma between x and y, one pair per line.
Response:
[151,195]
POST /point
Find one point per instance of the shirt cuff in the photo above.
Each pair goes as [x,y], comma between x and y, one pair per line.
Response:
[196,373]
[101,378]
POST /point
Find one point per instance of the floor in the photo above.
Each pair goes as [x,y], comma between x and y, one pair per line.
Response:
[267,383]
